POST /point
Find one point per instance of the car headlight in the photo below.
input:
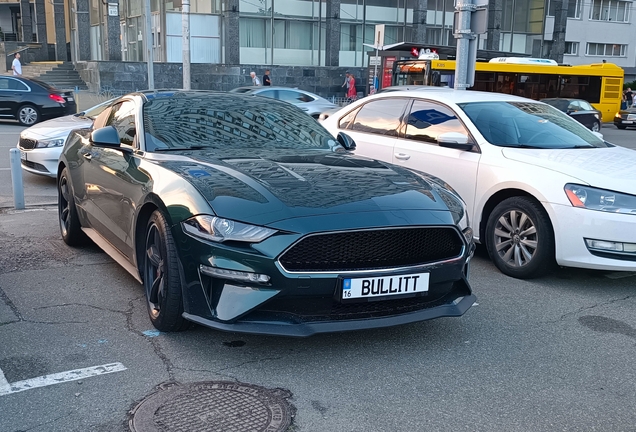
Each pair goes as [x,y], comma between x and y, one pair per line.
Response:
[600,199]
[219,230]
[55,142]
[617,115]
[598,117]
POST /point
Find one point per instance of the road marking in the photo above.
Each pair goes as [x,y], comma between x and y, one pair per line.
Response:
[5,169]
[57,378]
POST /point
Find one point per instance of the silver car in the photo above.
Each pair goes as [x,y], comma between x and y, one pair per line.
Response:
[311,103]
[41,145]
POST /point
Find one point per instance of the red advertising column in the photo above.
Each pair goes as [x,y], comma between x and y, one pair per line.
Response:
[387,71]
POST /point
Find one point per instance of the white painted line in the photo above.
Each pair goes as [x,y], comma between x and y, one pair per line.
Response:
[5,169]
[60,378]
[4,384]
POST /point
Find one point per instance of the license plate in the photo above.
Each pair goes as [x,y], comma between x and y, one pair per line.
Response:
[627,122]
[70,99]
[371,287]
[23,155]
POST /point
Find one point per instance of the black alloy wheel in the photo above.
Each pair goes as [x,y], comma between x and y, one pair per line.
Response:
[519,238]
[70,226]
[162,282]
[28,115]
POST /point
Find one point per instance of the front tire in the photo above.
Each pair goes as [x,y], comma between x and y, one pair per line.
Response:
[28,115]
[162,282]
[520,239]
[70,226]
[596,126]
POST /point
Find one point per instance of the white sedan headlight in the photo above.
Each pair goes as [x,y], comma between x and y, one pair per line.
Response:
[600,199]
[217,229]
[48,143]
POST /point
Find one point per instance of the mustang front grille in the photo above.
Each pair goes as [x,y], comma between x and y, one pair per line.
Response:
[27,144]
[372,249]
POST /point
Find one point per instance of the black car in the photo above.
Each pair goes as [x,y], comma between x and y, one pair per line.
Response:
[625,118]
[28,100]
[580,110]
[245,214]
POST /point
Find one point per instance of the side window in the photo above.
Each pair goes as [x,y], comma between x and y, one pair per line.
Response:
[288,96]
[347,120]
[586,105]
[268,93]
[381,117]
[574,106]
[4,83]
[123,119]
[14,84]
[428,120]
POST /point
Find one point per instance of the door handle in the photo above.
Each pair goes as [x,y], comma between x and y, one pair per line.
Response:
[402,156]
[88,156]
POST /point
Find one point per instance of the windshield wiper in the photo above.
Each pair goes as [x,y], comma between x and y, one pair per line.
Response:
[167,149]
[519,146]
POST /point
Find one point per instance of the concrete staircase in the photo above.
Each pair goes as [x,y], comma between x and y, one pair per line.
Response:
[59,74]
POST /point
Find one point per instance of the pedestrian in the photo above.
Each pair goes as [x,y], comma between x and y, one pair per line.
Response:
[346,83]
[352,94]
[266,79]
[630,97]
[16,65]
[624,101]
[255,80]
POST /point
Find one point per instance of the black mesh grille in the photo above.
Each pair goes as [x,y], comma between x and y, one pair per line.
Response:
[35,166]
[27,144]
[376,249]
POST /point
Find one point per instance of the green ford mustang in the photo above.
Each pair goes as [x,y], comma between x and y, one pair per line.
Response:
[242,213]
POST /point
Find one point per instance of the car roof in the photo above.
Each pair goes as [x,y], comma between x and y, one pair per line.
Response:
[448,95]
[253,89]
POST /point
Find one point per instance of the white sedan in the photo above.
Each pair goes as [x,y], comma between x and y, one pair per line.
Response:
[41,145]
[540,187]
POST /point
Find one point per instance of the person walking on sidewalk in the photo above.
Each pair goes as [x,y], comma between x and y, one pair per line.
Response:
[352,94]
[346,83]
[255,80]
[16,66]
[267,81]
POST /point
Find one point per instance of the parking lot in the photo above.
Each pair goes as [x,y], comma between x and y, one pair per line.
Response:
[548,354]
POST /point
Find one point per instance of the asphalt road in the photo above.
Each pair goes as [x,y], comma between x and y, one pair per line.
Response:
[550,354]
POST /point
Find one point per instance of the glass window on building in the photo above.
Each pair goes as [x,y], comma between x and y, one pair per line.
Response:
[606,50]
[571,48]
[286,32]
[574,8]
[609,10]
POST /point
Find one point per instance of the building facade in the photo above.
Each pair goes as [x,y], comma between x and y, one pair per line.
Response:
[313,33]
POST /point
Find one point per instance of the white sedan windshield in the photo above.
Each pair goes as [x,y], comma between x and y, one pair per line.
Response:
[528,125]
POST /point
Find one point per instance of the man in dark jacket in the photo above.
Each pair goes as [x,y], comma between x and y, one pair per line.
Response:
[266,79]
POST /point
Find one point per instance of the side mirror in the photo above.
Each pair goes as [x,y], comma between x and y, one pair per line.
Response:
[106,137]
[346,141]
[454,140]
[598,134]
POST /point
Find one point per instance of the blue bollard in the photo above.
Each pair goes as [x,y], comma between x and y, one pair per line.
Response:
[16,179]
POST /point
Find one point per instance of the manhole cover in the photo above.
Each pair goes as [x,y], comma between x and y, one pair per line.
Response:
[213,406]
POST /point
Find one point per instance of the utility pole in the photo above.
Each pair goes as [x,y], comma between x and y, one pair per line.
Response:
[185,23]
[471,19]
[149,47]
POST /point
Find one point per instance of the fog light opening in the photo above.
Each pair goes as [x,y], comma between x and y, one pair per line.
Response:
[610,246]
[234,275]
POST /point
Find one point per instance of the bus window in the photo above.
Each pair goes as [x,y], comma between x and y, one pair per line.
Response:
[581,87]
[484,81]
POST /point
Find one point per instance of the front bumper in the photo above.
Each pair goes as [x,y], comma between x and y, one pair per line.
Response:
[574,225]
[625,122]
[42,161]
[303,304]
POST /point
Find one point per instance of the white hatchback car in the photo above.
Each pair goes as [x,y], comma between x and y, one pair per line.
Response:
[540,187]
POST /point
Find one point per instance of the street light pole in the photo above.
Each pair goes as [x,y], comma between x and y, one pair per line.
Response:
[185,17]
[149,47]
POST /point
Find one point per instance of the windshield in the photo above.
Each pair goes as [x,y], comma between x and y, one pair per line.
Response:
[528,125]
[230,122]
[93,112]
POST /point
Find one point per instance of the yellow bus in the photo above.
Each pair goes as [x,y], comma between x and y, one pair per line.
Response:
[601,84]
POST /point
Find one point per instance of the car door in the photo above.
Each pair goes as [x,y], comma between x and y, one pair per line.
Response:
[375,126]
[419,149]
[114,183]
[6,98]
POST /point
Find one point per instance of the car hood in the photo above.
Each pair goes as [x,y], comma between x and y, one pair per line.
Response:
[608,168]
[264,187]
[56,127]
